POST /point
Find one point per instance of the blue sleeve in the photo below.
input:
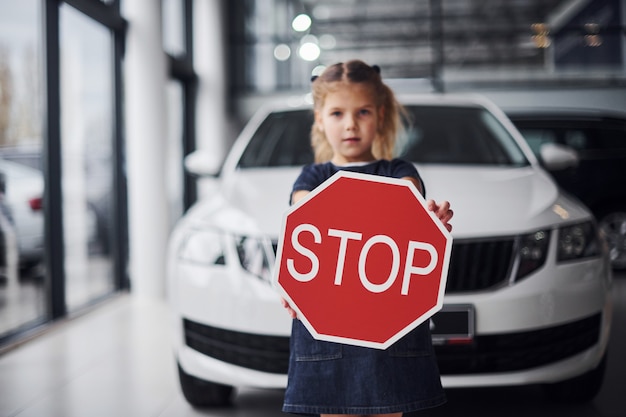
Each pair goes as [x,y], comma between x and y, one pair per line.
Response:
[401,168]
[308,179]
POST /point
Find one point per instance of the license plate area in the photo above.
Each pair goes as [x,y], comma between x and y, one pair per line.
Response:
[453,325]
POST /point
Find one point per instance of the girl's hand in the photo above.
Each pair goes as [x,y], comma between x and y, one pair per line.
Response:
[442,211]
[290,310]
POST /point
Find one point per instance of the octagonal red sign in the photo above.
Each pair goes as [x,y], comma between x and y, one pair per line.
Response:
[361,260]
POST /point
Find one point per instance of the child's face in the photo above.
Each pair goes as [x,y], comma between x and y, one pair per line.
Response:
[349,119]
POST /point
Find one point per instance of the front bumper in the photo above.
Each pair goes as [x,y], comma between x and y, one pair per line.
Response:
[536,356]
[552,326]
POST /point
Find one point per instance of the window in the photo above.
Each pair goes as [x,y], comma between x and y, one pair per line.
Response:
[60,137]
[22,272]
[87,156]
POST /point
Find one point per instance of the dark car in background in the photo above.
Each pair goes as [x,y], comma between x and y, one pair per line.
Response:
[599,179]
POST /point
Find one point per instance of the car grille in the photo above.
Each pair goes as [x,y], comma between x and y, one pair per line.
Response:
[518,351]
[477,265]
[253,351]
[488,354]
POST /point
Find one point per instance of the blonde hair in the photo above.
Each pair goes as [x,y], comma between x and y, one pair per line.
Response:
[357,72]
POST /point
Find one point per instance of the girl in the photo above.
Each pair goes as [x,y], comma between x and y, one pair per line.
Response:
[356,121]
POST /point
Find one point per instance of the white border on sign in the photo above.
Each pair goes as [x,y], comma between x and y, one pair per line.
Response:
[444,270]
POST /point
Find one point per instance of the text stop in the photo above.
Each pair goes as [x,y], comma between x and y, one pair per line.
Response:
[344,237]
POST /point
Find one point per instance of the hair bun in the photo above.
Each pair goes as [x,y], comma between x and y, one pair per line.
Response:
[376,68]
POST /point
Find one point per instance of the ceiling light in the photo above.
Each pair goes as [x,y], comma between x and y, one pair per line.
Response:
[309,51]
[301,23]
[282,52]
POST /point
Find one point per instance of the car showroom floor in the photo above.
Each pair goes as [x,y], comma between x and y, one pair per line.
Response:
[116,361]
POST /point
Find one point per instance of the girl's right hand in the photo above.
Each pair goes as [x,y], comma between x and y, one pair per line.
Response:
[442,211]
[291,311]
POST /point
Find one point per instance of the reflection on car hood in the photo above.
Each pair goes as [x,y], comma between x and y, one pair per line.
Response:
[486,201]
[499,201]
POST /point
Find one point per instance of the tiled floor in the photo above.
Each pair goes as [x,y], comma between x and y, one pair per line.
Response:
[117,361]
[99,364]
[24,293]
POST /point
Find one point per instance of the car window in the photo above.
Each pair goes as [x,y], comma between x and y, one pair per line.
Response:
[458,135]
[281,140]
[597,137]
[537,137]
[27,157]
[576,139]
[435,134]
[609,138]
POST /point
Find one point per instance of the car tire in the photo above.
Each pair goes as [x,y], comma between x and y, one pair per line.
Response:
[201,393]
[580,389]
[612,221]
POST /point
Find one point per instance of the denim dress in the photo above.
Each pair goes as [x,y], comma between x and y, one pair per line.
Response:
[334,378]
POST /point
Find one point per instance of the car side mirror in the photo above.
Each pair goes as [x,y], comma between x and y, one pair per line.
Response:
[203,163]
[557,157]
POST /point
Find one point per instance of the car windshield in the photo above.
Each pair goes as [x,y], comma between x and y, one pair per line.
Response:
[435,134]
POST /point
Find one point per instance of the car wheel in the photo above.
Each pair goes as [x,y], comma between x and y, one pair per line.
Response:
[613,223]
[201,393]
[581,389]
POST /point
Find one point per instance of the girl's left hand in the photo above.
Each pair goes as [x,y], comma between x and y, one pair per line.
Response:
[442,211]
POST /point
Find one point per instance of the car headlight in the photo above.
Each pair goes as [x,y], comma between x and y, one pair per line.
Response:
[210,247]
[577,241]
[255,256]
[532,253]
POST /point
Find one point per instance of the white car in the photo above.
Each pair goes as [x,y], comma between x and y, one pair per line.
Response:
[22,194]
[527,297]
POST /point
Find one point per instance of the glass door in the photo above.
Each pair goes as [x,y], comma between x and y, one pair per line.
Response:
[23,288]
[87,123]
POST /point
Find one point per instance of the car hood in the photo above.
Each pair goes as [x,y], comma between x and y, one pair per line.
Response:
[494,201]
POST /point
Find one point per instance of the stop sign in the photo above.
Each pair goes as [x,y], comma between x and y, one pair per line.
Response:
[361,260]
